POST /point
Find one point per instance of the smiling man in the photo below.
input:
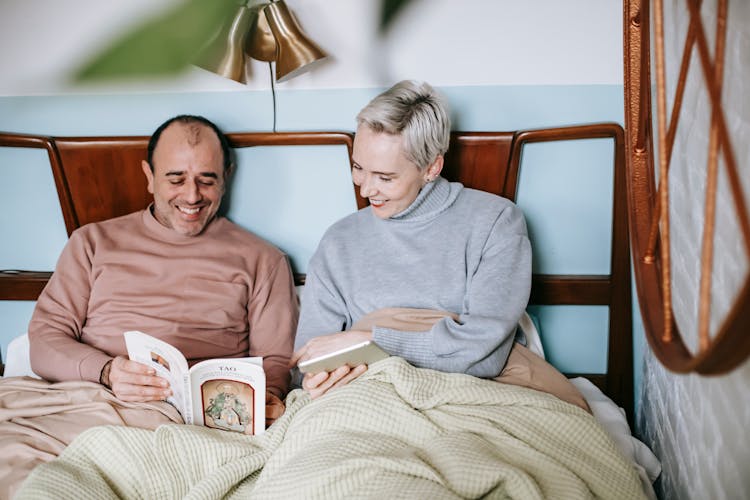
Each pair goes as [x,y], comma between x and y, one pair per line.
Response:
[186,172]
[174,270]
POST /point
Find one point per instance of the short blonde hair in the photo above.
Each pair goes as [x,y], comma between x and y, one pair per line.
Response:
[415,111]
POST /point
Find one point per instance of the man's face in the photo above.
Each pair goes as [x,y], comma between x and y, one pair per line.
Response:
[383,173]
[188,179]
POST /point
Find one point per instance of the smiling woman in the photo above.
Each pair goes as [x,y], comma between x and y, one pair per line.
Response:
[383,173]
[394,156]
[412,247]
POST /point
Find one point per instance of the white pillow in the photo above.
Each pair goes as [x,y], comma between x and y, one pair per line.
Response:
[612,419]
[19,361]
[527,325]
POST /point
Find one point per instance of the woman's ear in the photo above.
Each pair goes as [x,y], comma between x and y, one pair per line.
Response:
[434,169]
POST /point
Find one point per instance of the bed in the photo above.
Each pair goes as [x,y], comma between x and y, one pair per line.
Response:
[489,161]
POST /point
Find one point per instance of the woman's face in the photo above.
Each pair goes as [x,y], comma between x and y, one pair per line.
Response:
[383,173]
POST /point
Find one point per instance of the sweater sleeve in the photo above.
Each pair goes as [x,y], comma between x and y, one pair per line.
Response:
[323,308]
[57,354]
[272,314]
[497,294]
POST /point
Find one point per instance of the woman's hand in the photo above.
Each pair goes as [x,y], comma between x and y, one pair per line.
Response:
[320,346]
[317,384]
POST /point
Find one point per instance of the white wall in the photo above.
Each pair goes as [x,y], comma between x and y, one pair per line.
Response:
[446,42]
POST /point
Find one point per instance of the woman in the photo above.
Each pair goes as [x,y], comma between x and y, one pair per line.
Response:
[422,243]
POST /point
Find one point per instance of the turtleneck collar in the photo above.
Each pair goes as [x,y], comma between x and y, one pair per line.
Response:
[434,197]
[169,235]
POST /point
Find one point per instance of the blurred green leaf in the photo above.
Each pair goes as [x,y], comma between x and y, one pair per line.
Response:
[389,10]
[164,45]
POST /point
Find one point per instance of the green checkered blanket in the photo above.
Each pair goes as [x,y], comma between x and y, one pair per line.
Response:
[396,432]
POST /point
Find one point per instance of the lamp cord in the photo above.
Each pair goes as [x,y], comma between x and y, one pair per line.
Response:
[273,94]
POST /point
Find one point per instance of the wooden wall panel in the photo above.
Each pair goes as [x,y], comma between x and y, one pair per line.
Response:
[100,177]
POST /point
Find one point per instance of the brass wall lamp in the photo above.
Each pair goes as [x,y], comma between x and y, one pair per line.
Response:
[266,32]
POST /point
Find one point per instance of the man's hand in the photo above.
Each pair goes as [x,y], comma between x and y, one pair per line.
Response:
[274,408]
[134,381]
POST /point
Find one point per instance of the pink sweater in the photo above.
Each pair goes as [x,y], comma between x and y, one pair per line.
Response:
[223,293]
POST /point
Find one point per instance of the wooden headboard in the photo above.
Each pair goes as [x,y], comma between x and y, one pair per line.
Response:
[88,191]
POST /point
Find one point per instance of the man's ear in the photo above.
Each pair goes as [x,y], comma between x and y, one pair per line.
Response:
[149,176]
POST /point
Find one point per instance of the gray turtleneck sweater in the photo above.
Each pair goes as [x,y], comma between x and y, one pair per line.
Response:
[453,249]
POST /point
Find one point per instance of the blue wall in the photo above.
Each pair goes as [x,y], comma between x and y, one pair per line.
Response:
[279,193]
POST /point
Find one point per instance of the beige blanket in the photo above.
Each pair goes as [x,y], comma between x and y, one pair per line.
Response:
[396,431]
[39,419]
[523,367]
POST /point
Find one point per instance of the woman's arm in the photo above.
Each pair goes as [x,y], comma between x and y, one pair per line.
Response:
[497,293]
[323,310]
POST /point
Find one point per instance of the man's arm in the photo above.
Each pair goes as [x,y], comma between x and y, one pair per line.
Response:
[57,354]
[272,314]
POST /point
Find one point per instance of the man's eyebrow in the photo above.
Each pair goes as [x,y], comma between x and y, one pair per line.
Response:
[179,173]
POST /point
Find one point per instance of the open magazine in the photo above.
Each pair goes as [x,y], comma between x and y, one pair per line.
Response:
[227,393]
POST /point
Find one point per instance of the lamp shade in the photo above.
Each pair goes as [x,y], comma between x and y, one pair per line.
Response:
[292,50]
[225,55]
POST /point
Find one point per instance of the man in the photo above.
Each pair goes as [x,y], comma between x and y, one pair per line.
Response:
[175,270]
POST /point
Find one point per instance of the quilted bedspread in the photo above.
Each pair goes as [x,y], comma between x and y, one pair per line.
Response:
[395,432]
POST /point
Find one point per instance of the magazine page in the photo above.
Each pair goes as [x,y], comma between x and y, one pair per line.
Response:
[168,363]
[230,394]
